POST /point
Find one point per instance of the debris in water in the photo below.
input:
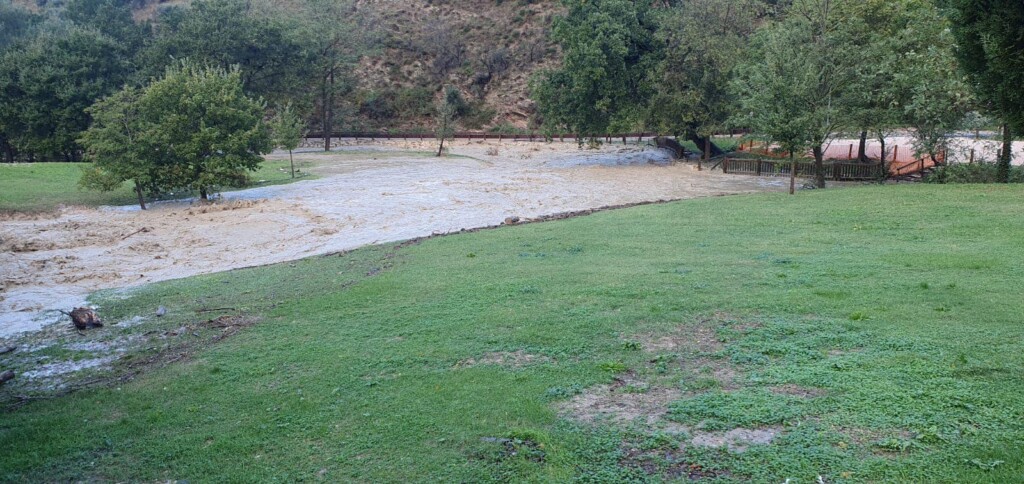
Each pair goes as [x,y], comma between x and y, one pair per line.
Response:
[84,318]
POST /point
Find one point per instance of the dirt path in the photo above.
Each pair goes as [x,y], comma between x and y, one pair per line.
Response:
[368,194]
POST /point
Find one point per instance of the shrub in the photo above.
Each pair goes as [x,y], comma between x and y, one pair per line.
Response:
[972,173]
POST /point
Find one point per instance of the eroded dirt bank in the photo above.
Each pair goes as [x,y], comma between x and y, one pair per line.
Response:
[368,193]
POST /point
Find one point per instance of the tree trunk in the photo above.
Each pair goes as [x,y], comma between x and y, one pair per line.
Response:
[862,149]
[138,191]
[440,149]
[328,102]
[792,173]
[705,144]
[8,150]
[707,153]
[1003,167]
[819,167]
[203,195]
[885,165]
[291,161]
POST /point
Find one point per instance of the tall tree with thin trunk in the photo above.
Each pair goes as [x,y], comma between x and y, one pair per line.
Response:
[447,109]
[336,35]
[287,129]
[790,86]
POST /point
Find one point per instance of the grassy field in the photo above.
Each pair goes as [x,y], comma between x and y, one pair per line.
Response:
[875,333]
[42,187]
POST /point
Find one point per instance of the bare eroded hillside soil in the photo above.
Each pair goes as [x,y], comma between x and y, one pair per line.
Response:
[368,193]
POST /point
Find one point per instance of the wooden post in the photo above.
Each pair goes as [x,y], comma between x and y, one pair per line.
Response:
[725,165]
[895,152]
[972,157]
[758,167]
[850,155]
[623,140]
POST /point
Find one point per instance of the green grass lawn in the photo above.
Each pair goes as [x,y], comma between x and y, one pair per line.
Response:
[42,187]
[877,331]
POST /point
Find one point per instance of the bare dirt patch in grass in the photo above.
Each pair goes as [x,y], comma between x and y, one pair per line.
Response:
[619,405]
[688,338]
[736,440]
[683,365]
[512,359]
[795,390]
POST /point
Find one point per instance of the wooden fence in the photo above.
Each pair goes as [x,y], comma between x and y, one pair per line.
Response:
[775,167]
[425,135]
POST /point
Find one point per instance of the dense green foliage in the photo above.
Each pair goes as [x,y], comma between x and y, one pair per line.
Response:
[888,306]
[228,33]
[703,40]
[990,47]
[48,82]
[975,173]
[600,86]
[194,128]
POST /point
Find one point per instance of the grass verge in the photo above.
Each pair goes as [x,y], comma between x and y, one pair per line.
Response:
[42,187]
[864,334]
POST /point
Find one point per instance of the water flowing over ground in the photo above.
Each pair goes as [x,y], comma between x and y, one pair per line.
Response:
[366,193]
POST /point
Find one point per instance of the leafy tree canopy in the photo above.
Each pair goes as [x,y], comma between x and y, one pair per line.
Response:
[194,128]
[608,46]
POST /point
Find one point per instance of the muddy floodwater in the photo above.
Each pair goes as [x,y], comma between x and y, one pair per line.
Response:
[365,193]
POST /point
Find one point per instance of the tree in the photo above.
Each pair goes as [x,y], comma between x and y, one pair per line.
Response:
[990,48]
[335,35]
[608,47]
[447,110]
[703,41]
[116,145]
[791,87]
[112,18]
[933,96]
[194,128]
[287,128]
[905,74]
[233,33]
[48,81]
[441,39]
[16,22]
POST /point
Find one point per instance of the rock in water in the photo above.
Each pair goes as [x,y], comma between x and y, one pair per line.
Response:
[6,376]
[160,311]
[511,220]
[85,318]
[7,349]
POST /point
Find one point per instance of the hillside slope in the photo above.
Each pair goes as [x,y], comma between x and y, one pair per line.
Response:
[488,49]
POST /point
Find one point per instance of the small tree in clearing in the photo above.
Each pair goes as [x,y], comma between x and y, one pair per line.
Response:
[194,128]
[447,108]
[114,146]
[288,129]
[209,133]
[790,89]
